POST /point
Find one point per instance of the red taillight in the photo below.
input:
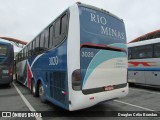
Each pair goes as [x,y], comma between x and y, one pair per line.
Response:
[63,92]
[11,71]
[76,75]
[76,80]
[91,98]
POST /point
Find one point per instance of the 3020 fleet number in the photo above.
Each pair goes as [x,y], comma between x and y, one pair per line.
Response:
[53,60]
[87,54]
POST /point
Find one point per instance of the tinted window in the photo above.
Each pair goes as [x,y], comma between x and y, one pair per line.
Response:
[64,24]
[135,53]
[33,46]
[60,29]
[50,36]
[37,44]
[25,52]
[29,49]
[46,39]
[129,53]
[142,52]
[42,42]
[57,28]
[20,55]
[3,50]
[157,50]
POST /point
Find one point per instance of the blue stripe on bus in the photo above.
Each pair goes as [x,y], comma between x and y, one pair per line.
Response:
[143,69]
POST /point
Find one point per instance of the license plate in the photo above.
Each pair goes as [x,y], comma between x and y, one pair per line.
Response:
[108,88]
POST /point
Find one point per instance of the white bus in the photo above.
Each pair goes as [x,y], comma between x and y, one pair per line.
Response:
[78,60]
[144,62]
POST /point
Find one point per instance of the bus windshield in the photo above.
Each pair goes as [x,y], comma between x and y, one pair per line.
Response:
[99,27]
[3,52]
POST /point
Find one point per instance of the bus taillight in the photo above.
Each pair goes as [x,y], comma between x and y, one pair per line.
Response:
[11,71]
[76,83]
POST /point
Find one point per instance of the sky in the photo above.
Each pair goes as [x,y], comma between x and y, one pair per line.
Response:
[24,19]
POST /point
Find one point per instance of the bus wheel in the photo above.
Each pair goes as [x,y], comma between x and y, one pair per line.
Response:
[42,93]
[33,89]
[16,76]
[8,84]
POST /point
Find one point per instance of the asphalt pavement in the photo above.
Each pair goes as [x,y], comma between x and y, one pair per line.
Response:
[17,98]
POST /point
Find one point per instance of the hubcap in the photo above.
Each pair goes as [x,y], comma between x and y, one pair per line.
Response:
[34,88]
[41,90]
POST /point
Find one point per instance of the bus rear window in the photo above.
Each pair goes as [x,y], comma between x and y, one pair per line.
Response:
[3,50]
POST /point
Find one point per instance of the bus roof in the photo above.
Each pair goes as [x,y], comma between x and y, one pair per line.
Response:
[146,42]
[79,4]
[5,43]
[150,35]
[98,9]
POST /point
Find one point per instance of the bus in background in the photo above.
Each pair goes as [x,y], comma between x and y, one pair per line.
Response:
[6,63]
[144,62]
[78,60]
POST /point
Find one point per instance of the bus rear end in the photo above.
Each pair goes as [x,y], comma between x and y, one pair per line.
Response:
[6,63]
[101,73]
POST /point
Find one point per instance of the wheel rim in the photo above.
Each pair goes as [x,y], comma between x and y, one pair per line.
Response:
[41,90]
[34,88]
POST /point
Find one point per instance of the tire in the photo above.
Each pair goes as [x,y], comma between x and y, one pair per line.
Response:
[8,85]
[34,89]
[41,92]
[16,77]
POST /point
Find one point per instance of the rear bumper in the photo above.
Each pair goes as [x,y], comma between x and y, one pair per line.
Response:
[81,101]
[6,80]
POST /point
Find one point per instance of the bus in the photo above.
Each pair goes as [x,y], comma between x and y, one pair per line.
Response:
[6,63]
[144,62]
[78,60]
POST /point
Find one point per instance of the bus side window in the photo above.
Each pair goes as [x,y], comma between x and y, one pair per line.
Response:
[36,45]
[148,51]
[41,48]
[129,53]
[64,24]
[22,54]
[51,34]
[57,28]
[46,39]
[60,29]
[157,50]
[29,49]
[135,54]
[25,53]
[33,46]
[18,57]
[141,52]
[57,32]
